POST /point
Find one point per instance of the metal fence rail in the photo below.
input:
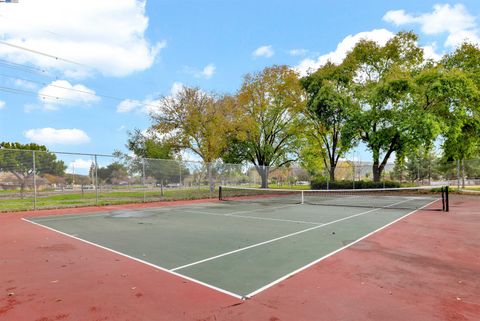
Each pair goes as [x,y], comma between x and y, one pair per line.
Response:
[38,179]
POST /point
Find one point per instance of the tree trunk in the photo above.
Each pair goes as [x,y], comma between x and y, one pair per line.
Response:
[22,189]
[332,173]
[377,171]
[263,172]
[211,183]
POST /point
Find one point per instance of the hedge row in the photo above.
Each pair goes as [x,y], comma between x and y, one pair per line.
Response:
[322,184]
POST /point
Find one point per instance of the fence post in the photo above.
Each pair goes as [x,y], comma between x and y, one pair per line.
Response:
[96,180]
[143,181]
[353,169]
[327,176]
[34,182]
[418,172]
[180,183]
[458,175]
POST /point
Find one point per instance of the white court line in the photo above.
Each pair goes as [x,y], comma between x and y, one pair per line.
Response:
[67,217]
[331,253]
[139,260]
[253,217]
[158,210]
[107,213]
[278,238]
[262,209]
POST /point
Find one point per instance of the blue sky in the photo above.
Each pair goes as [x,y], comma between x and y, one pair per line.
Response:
[137,51]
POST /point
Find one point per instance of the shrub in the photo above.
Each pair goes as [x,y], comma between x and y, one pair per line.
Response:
[322,184]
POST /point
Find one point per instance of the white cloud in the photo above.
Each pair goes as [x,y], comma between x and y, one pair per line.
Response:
[263,51]
[398,17]
[454,20]
[25,84]
[80,164]
[108,35]
[176,88]
[2,104]
[52,136]
[381,36]
[128,105]
[147,105]
[208,71]
[62,93]
[430,52]
[297,52]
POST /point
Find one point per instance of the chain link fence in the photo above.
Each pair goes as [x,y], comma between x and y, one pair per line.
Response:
[32,180]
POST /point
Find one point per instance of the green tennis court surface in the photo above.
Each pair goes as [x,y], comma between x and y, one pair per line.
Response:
[237,247]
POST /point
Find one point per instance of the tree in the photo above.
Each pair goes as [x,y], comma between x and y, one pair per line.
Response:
[329,110]
[462,137]
[18,158]
[113,173]
[154,157]
[270,104]
[148,145]
[197,121]
[418,165]
[389,120]
[312,157]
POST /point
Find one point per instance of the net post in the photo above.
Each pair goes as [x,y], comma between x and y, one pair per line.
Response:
[96,180]
[443,197]
[458,175]
[446,199]
[220,193]
[34,182]
[144,181]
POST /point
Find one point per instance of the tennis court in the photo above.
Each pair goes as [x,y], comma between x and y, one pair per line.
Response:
[251,239]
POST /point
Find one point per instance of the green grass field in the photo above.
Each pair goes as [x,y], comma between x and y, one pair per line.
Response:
[104,198]
[473,188]
[108,197]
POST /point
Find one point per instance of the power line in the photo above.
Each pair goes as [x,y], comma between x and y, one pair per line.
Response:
[42,53]
[6,62]
[31,93]
[18,66]
[72,89]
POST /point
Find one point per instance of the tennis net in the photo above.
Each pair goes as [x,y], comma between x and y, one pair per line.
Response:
[395,198]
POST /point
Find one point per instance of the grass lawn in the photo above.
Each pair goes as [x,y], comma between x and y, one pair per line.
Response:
[472,188]
[109,197]
[104,198]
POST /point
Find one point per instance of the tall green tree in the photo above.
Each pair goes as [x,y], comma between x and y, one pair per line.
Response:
[148,145]
[154,157]
[329,110]
[270,104]
[462,138]
[17,159]
[418,165]
[113,173]
[388,121]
